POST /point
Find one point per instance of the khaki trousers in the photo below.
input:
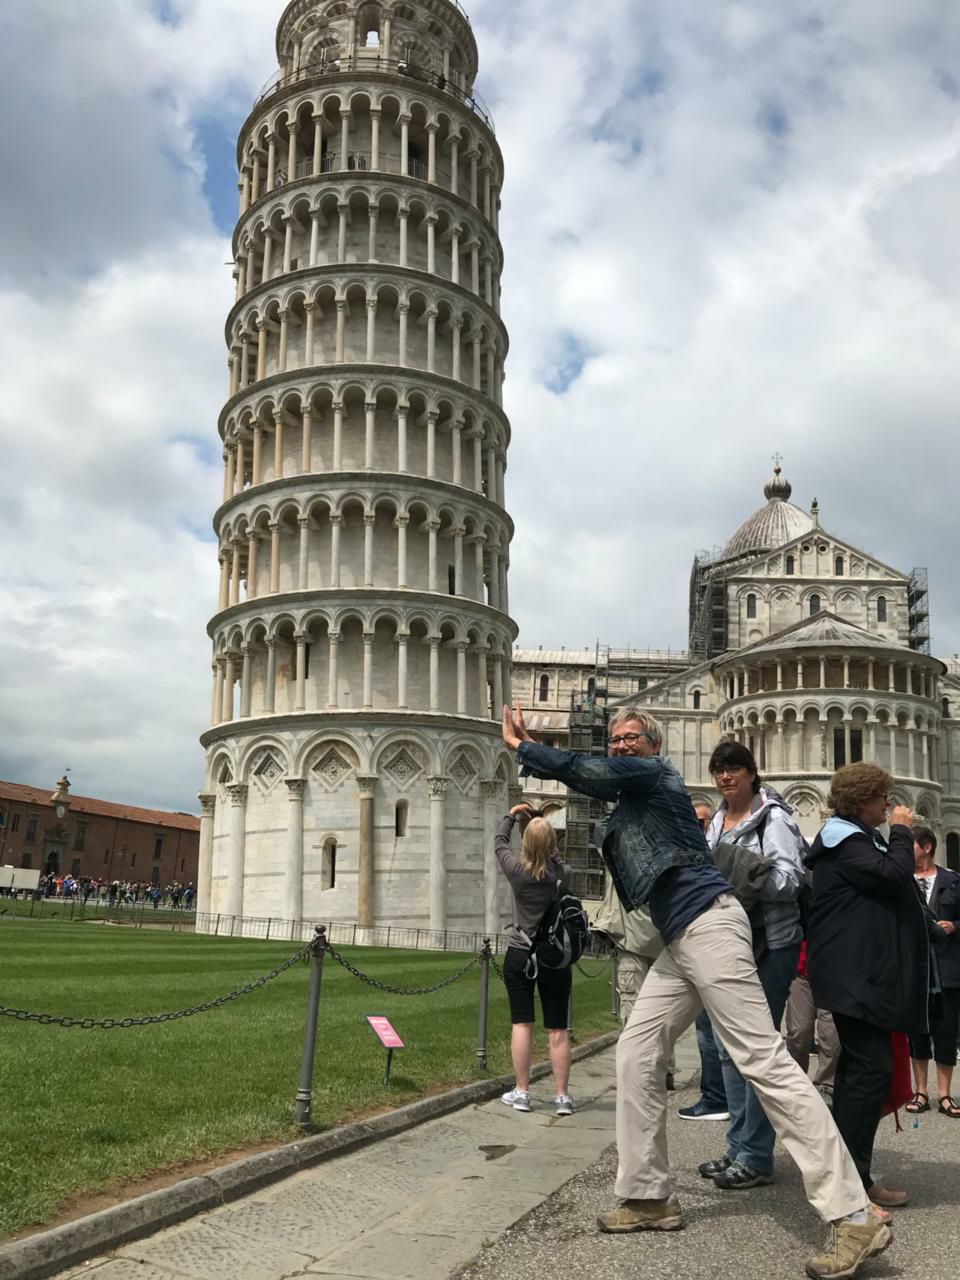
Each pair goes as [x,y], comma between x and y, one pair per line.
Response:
[711,965]
[802,1017]
[631,974]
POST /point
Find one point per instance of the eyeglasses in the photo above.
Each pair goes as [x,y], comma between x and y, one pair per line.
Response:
[629,739]
[730,770]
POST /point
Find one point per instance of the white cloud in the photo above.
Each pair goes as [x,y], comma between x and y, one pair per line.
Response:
[729,229]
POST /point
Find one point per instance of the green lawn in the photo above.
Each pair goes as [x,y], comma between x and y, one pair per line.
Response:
[88,1110]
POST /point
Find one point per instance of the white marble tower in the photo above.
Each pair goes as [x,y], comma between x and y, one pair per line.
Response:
[362,641]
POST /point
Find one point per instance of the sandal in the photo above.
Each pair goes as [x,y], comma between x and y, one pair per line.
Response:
[915,1106]
[948,1107]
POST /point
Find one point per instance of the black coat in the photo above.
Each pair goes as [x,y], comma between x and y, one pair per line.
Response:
[945,905]
[868,948]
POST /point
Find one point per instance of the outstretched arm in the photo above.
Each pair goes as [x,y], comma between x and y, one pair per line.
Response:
[603,777]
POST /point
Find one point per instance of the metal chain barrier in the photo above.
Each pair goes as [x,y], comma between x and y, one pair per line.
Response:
[496,968]
[48,1019]
[599,974]
[401,991]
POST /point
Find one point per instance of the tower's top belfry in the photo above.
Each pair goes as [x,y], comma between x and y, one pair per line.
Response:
[426,35]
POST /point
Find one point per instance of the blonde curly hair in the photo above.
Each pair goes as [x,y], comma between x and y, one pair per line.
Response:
[854,785]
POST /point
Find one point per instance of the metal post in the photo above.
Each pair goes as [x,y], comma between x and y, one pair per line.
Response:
[614,993]
[268,929]
[216,930]
[304,1097]
[484,1000]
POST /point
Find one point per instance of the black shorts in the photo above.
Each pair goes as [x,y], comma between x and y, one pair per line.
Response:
[553,984]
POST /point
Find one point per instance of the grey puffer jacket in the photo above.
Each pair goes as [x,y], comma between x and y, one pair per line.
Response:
[770,829]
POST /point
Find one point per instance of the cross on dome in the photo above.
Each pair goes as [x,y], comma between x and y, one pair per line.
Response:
[779,487]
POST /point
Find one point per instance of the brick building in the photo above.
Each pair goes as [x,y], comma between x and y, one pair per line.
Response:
[96,838]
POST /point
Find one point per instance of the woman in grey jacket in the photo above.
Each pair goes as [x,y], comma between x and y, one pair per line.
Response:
[533,877]
[757,818]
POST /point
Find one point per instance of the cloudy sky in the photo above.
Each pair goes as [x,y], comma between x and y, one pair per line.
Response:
[730,229]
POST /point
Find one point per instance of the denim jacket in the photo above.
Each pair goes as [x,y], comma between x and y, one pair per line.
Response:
[652,827]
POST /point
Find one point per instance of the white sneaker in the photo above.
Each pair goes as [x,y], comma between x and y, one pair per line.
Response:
[519,1099]
[565,1104]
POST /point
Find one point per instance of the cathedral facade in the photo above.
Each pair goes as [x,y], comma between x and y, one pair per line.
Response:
[805,648]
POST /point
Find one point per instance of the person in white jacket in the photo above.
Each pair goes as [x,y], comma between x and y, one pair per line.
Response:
[759,819]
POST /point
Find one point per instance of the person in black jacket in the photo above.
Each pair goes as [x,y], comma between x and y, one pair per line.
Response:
[868,951]
[941,891]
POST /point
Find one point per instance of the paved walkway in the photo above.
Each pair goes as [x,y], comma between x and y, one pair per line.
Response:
[416,1206]
[490,1194]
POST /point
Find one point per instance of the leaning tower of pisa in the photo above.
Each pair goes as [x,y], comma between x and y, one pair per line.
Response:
[362,640]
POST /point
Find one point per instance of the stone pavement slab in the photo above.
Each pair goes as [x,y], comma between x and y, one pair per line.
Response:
[418,1205]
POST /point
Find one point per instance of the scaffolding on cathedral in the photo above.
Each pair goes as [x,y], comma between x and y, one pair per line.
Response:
[708,605]
[588,733]
[918,611]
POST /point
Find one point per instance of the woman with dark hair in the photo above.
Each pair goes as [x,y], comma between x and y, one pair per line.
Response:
[757,818]
[869,959]
[941,892]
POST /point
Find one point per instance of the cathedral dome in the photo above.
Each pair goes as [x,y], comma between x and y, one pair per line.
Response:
[772,526]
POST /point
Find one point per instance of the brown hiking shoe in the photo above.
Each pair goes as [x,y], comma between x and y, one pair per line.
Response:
[848,1245]
[643,1215]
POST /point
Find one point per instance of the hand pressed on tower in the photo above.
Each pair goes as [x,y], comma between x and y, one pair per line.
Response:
[514,730]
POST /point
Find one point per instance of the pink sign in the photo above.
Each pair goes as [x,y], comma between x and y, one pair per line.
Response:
[385,1032]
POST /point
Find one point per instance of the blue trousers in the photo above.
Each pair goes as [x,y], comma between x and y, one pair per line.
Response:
[711,1073]
[750,1135]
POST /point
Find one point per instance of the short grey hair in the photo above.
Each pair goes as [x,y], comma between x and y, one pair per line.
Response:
[648,725]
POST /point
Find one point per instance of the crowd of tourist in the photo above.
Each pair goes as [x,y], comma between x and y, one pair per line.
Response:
[732,919]
[118,892]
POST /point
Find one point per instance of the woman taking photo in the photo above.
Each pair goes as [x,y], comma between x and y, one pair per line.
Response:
[533,878]
[757,818]
[868,957]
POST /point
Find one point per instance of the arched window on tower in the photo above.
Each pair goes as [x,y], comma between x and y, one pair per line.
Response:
[838,566]
[881,608]
[543,694]
[591,687]
[328,864]
[696,699]
[751,605]
[945,708]
[814,605]
[791,566]
[953,851]
[400,818]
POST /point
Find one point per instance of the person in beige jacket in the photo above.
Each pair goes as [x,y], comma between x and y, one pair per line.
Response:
[637,945]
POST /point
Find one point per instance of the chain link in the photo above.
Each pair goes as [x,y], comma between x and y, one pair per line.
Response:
[599,974]
[496,968]
[49,1019]
[400,991]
